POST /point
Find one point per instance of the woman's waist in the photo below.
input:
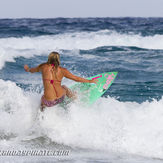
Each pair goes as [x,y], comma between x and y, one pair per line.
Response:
[52,96]
[48,98]
[51,88]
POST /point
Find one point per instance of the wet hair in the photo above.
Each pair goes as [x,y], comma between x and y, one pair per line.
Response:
[54,58]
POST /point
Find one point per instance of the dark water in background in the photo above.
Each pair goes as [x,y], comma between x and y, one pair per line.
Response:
[140,66]
[131,46]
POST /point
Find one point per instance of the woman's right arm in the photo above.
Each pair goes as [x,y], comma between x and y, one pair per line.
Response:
[69,75]
[32,70]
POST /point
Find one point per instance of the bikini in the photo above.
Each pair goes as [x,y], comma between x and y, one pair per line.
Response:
[56,101]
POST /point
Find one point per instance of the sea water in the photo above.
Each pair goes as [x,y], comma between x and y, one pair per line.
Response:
[124,125]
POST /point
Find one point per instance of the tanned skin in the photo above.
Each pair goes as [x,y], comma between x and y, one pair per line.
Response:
[51,73]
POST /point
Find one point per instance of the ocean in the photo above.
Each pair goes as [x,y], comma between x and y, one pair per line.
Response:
[123,126]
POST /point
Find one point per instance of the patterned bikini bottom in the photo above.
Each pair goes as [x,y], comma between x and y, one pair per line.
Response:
[51,103]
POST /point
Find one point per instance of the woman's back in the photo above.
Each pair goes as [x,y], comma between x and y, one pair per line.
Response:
[52,78]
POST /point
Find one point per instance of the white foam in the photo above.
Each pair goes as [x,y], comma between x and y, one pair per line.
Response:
[110,125]
[42,45]
[16,108]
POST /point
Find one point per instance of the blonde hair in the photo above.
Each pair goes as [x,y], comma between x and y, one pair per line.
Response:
[54,58]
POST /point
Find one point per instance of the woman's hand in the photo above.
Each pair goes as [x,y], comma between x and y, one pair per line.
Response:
[26,68]
[94,81]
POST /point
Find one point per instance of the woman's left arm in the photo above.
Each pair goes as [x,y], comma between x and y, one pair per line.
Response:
[32,70]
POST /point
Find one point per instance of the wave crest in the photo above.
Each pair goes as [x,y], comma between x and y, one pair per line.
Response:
[30,46]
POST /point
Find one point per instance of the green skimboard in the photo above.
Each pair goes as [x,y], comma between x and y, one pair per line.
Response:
[88,93]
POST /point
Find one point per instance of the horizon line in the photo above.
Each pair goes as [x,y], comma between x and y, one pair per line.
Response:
[82,17]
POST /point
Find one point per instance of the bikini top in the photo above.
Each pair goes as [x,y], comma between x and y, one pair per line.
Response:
[52,81]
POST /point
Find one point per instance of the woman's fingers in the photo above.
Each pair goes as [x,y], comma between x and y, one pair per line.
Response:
[26,67]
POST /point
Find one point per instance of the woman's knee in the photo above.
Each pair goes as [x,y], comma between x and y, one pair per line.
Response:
[64,86]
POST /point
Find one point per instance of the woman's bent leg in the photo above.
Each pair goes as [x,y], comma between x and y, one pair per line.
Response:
[42,106]
[69,92]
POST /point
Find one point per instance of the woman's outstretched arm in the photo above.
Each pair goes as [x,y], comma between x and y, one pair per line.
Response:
[69,75]
[32,70]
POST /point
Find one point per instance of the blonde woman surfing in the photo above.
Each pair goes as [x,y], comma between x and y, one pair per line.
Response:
[52,75]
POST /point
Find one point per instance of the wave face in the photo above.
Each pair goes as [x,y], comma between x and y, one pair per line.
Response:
[127,119]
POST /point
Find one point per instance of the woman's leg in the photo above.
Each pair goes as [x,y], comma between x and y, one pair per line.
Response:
[42,106]
[69,92]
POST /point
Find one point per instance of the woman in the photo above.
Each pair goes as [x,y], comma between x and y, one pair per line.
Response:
[52,75]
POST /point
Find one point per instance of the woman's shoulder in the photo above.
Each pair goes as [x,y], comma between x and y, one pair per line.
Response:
[63,69]
[42,65]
